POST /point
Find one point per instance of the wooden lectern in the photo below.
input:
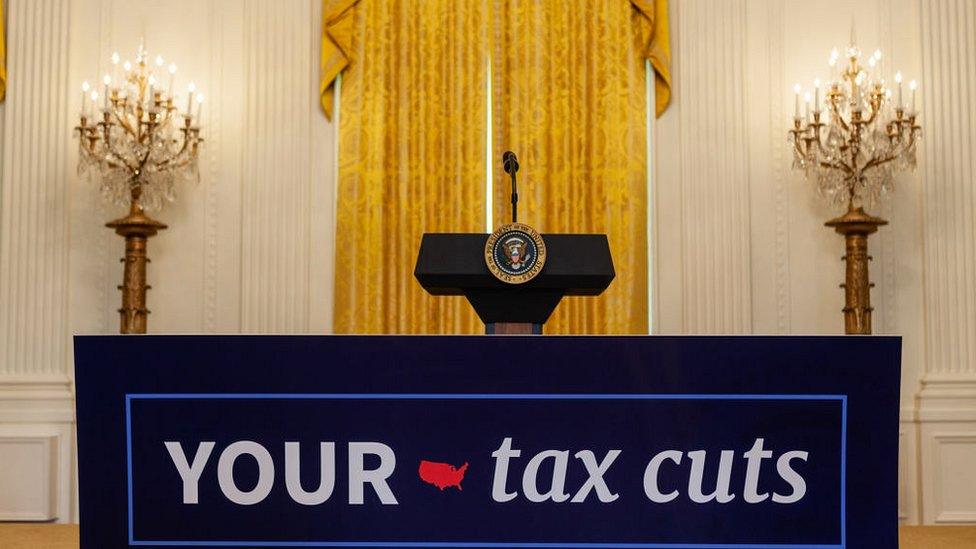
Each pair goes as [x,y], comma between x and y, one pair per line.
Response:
[454,264]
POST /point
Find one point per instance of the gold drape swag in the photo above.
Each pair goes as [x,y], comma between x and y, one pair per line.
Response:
[337,35]
[568,96]
[656,47]
[337,45]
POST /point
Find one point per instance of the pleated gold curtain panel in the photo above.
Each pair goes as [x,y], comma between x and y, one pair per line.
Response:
[571,100]
[3,56]
[568,96]
[411,157]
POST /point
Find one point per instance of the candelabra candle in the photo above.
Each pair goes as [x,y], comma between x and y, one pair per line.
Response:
[85,87]
[139,141]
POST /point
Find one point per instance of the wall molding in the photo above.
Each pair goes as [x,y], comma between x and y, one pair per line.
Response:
[41,451]
[943,479]
[210,158]
[778,155]
[947,397]
[36,399]
[908,498]
[37,431]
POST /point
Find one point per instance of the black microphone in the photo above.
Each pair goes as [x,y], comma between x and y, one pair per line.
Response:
[510,162]
[511,166]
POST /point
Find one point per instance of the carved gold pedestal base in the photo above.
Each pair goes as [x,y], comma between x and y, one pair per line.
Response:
[856,225]
[136,228]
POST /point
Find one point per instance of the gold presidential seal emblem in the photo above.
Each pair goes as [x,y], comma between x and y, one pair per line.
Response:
[515,253]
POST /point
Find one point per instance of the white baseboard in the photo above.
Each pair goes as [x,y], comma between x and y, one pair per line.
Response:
[37,431]
[947,448]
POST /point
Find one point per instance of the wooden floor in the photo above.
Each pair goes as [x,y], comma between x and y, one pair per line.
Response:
[65,536]
[31,536]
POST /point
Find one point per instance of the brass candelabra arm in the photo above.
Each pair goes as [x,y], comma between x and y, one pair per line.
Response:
[188,132]
[118,113]
[839,166]
[834,109]
[878,161]
[797,147]
[87,139]
[109,145]
[177,164]
[803,152]
[875,107]
[914,131]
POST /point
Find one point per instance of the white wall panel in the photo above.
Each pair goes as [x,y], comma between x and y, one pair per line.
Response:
[949,57]
[249,248]
[36,448]
[703,176]
[29,477]
[285,155]
[34,191]
[956,500]
[947,401]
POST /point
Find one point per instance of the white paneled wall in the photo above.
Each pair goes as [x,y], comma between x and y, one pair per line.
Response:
[34,194]
[947,401]
[286,197]
[248,248]
[706,184]
[740,245]
[740,241]
[36,410]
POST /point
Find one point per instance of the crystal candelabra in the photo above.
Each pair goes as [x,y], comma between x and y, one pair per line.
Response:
[138,145]
[851,151]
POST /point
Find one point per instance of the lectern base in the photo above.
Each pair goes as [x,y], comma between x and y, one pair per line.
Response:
[513,328]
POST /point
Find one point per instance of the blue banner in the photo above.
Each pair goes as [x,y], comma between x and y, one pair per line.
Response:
[588,442]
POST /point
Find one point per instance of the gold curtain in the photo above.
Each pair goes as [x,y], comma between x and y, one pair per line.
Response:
[570,99]
[3,56]
[411,154]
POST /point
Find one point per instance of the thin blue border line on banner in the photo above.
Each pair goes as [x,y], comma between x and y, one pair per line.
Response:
[843,471]
[484,396]
[128,461]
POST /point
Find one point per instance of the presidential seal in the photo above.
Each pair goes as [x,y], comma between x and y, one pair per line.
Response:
[515,253]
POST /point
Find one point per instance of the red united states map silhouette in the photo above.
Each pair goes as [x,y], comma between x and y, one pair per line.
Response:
[442,475]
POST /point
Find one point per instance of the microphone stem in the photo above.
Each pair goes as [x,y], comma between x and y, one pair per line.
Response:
[514,199]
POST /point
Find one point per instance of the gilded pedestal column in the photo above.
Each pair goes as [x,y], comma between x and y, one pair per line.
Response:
[136,228]
[856,225]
